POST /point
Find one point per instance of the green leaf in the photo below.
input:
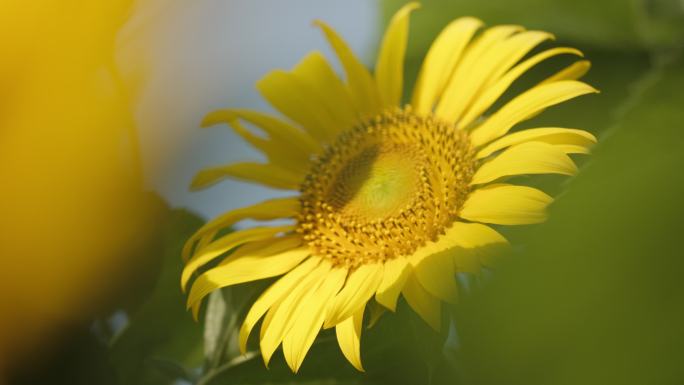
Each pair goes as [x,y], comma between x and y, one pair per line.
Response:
[161,330]
[595,297]
[215,321]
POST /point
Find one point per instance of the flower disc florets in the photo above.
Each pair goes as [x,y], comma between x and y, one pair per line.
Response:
[385,188]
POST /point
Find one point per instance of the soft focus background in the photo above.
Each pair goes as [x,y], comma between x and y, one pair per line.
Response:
[100,104]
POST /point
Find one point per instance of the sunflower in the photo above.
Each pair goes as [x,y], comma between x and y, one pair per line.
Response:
[390,201]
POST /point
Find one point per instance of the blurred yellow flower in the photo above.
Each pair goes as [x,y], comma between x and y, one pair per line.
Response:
[391,201]
[72,203]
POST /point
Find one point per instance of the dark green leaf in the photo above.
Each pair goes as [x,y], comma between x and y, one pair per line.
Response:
[161,330]
[596,296]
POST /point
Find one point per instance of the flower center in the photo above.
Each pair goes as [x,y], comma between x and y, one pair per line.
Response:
[385,188]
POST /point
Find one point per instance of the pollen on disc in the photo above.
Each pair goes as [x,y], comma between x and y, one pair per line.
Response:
[385,188]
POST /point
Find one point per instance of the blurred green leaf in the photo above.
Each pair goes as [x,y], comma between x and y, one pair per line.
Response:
[215,321]
[596,296]
[612,24]
[161,330]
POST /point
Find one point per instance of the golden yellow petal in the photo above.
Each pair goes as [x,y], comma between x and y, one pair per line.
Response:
[456,94]
[436,274]
[440,61]
[525,105]
[203,241]
[263,211]
[301,142]
[362,86]
[311,312]
[330,91]
[428,307]
[572,148]
[475,245]
[393,278]
[272,295]
[506,204]
[227,243]
[277,153]
[572,72]
[525,158]
[551,135]
[490,66]
[493,91]
[360,286]
[349,338]
[298,100]
[245,268]
[267,174]
[512,51]
[281,317]
[389,68]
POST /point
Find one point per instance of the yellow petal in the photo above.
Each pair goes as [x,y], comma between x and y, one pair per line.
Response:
[492,93]
[227,243]
[267,174]
[476,245]
[331,92]
[506,205]
[389,68]
[311,312]
[264,211]
[298,140]
[551,135]
[525,158]
[362,86]
[440,62]
[572,148]
[514,49]
[474,235]
[360,286]
[393,278]
[460,236]
[462,248]
[428,307]
[204,241]
[272,295]
[464,241]
[264,248]
[572,72]
[349,338]
[436,274]
[490,65]
[246,268]
[281,317]
[296,99]
[457,93]
[526,104]
[277,153]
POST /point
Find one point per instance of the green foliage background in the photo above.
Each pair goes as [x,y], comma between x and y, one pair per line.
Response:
[593,296]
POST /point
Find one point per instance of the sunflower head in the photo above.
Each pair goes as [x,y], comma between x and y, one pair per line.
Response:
[385,188]
[388,201]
